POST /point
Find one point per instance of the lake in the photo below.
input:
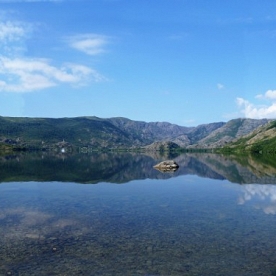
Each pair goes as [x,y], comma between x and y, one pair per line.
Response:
[114,214]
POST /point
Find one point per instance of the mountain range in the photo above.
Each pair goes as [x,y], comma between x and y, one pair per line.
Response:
[121,133]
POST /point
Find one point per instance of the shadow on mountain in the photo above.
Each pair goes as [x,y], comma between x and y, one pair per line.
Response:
[125,167]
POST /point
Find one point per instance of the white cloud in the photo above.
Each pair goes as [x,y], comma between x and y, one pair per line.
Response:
[11,31]
[26,75]
[13,35]
[270,94]
[220,86]
[91,44]
[19,74]
[251,110]
[259,96]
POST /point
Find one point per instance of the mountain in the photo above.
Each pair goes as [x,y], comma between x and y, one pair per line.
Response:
[146,133]
[262,139]
[95,133]
[200,132]
[42,132]
[228,132]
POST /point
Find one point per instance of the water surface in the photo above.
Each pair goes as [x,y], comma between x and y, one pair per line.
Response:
[213,216]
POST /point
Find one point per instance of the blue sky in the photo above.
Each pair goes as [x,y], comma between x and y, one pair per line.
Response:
[187,62]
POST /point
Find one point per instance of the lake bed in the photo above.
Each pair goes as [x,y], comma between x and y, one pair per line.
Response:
[173,224]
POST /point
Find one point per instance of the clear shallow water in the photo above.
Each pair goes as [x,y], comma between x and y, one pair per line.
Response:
[182,225]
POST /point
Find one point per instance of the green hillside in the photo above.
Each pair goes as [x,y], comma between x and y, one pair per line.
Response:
[42,132]
[120,133]
[261,140]
[92,132]
[232,130]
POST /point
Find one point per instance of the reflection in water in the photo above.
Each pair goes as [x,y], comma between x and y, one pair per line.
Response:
[263,196]
[183,226]
[124,167]
[182,223]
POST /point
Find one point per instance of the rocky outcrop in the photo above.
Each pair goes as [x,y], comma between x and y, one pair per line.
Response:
[167,166]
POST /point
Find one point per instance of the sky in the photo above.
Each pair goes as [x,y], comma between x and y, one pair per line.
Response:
[187,62]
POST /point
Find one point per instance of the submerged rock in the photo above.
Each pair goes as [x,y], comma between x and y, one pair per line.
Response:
[167,166]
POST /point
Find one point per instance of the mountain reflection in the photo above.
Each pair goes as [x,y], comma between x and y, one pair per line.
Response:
[124,167]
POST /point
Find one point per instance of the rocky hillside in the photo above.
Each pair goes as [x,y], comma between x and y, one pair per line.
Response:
[259,140]
[118,132]
[228,132]
[200,132]
[147,133]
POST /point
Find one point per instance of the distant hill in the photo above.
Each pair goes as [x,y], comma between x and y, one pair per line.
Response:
[228,132]
[95,133]
[261,139]
[146,133]
[42,132]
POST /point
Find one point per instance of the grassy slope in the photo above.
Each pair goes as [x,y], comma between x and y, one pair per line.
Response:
[262,139]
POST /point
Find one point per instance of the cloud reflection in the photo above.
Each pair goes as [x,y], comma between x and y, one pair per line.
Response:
[263,195]
[33,224]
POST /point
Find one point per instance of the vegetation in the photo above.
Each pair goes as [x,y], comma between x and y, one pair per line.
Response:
[94,133]
[260,141]
[45,133]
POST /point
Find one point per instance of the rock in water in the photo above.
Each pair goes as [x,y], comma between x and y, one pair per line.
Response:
[167,166]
